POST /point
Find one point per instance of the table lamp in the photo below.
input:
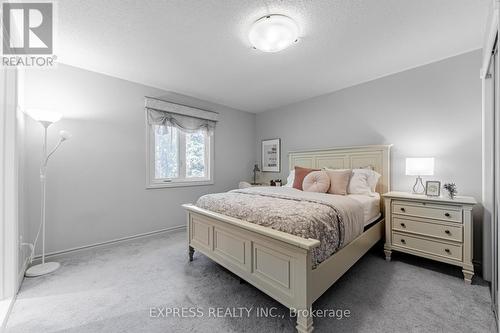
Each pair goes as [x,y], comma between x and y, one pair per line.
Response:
[255,170]
[419,166]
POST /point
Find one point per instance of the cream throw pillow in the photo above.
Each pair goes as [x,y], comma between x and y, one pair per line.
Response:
[371,174]
[359,184]
[339,180]
[316,181]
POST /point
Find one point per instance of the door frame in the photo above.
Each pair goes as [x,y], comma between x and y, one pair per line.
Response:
[9,199]
[490,99]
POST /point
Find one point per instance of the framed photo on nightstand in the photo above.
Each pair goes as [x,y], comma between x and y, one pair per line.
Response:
[433,188]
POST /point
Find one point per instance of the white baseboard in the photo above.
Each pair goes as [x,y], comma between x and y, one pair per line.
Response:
[113,241]
[5,309]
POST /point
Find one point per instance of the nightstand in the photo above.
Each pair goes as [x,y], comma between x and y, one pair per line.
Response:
[432,227]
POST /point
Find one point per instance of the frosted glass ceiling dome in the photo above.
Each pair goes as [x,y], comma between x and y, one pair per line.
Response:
[273,33]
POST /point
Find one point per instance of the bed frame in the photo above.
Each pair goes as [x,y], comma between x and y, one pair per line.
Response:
[278,263]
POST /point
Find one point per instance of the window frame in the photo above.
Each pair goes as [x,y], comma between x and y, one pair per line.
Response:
[153,183]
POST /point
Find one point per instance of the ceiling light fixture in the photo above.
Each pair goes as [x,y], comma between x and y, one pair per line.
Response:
[273,33]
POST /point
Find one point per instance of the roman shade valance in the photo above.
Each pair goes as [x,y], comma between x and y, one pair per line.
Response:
[185,118]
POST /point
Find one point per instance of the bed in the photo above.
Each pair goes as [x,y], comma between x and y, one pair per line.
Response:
[285,266]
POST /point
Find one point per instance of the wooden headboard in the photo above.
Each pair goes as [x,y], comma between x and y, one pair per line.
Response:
[376,156]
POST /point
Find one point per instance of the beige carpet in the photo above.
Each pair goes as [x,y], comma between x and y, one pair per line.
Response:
[114,289]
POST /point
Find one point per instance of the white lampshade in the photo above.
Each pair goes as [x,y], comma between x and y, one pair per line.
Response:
[273,33]
[420,166]
[44,115]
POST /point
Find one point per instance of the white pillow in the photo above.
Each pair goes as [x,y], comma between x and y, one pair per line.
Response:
[359,184]
[363,181]
[290,179]
[372,176]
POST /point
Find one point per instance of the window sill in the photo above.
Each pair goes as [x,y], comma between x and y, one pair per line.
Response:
[179,184]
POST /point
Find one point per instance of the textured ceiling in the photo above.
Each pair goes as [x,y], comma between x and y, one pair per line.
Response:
[200,47]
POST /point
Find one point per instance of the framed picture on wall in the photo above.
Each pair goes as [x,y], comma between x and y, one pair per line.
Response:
[271,155]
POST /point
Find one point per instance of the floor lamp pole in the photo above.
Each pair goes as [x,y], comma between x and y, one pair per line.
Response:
[43,182]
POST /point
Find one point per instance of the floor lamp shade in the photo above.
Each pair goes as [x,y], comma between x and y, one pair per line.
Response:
[44,116]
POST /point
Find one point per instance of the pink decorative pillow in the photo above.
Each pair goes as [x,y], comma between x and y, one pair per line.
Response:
[316,181]
[339,180]
[300,174]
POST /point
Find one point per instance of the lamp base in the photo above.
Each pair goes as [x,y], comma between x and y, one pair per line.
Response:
[42,269]
[419,187]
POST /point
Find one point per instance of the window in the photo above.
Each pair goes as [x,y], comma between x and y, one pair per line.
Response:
[180,158]
[180,146]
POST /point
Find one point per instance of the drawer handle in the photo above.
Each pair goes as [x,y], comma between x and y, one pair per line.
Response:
[403,241]
[402,209]
[447,214]
[447,250]
[447,232]
[403,225]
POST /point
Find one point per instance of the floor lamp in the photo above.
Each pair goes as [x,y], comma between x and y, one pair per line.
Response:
[46,118]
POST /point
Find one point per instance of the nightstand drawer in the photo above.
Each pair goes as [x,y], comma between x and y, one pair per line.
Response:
[433,211]
[453,233]
[427,246]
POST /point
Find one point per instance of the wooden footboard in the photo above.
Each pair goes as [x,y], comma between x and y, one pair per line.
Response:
[277,263]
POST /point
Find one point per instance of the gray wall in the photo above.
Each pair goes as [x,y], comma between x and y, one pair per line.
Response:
[96,181]
[433,110]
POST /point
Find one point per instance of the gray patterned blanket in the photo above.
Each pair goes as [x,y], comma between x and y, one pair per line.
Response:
[334,220]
